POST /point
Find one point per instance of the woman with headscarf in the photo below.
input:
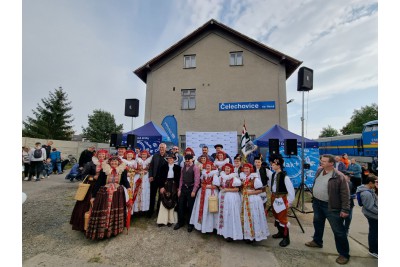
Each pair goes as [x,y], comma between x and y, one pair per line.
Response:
[201,218]
[254,221]
[230,204]
[141,189]
[109,201]
[91,171]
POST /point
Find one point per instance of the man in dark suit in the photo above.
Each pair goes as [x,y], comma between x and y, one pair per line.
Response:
[157,161]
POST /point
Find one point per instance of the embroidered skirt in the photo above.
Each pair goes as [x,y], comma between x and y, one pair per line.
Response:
[107,220]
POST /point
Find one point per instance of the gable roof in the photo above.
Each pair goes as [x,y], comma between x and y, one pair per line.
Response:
[291,64]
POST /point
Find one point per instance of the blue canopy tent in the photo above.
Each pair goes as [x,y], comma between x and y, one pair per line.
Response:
[293,163]
[149,137]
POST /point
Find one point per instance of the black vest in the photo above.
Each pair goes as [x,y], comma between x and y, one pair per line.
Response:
[188,175]
[263,176]
[280,183]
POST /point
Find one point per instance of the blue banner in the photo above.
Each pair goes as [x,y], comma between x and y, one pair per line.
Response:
[246,105]
[170,126]
[293,165]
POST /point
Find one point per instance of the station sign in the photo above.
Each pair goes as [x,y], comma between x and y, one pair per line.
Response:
[246,105]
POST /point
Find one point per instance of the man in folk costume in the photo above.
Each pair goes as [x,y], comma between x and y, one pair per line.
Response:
[168,187]
[188,151]
[188,184]
[230,204]
[262,173]
[121,151]
[109,201]
[281,198]
[254,221]
[237,163]
[91,171]
[201,218]
[219,147]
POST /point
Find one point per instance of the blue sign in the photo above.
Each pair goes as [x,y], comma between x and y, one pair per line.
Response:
[246,105]
[170,126]
[292,165]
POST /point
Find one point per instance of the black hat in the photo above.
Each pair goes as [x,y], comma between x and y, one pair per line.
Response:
[238,156]
[218,145]
[188,156]
[258,158]
[170,154]
[121,146]
[277,159]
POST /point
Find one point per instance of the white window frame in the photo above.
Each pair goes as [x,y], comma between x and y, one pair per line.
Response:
[236,58]
[189,61]
[188,99]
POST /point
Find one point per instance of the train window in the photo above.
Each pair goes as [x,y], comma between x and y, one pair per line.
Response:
[375,128]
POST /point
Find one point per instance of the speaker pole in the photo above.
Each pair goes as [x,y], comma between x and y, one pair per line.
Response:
[301,87]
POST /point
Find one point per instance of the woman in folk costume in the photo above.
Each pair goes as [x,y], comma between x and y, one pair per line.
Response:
[170,174]
[131,166]
[92,170]
[201,218]
[220,160]
[230,204]
[201,162]
[141,190]
[254,221]
[281,198]
[109,201]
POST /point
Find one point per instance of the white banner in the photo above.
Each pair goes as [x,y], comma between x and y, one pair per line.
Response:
[196,140]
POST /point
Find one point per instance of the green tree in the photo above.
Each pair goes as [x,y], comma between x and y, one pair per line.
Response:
[328,132]
[51,120]
[365,114]
[101,125]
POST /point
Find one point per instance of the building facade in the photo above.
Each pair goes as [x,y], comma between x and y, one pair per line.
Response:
[216,78]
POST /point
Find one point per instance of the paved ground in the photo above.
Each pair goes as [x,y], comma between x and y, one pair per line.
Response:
[49,241]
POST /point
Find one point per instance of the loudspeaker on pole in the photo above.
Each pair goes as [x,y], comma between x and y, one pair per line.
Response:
[132,107]
[290,147]
[305,79]
[131,141]
[115,139]
[273,145]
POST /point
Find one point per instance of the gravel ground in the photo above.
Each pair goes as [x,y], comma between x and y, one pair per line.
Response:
[48,239]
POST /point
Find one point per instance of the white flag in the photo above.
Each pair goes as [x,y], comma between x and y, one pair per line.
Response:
[246,144]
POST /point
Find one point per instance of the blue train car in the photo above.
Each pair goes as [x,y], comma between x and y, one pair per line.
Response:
[362,146]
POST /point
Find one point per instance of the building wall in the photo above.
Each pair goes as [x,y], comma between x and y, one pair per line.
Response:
[261,78]
[66,148]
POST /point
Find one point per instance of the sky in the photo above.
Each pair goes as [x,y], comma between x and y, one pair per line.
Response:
[91,48]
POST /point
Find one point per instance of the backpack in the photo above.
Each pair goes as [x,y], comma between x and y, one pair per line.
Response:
[37,154]
[358,196]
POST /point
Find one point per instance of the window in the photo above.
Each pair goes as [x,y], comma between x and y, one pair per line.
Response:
[236,59]
[189,61]
[188,98]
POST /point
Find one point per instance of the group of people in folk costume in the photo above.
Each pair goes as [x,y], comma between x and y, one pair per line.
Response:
[120,185]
